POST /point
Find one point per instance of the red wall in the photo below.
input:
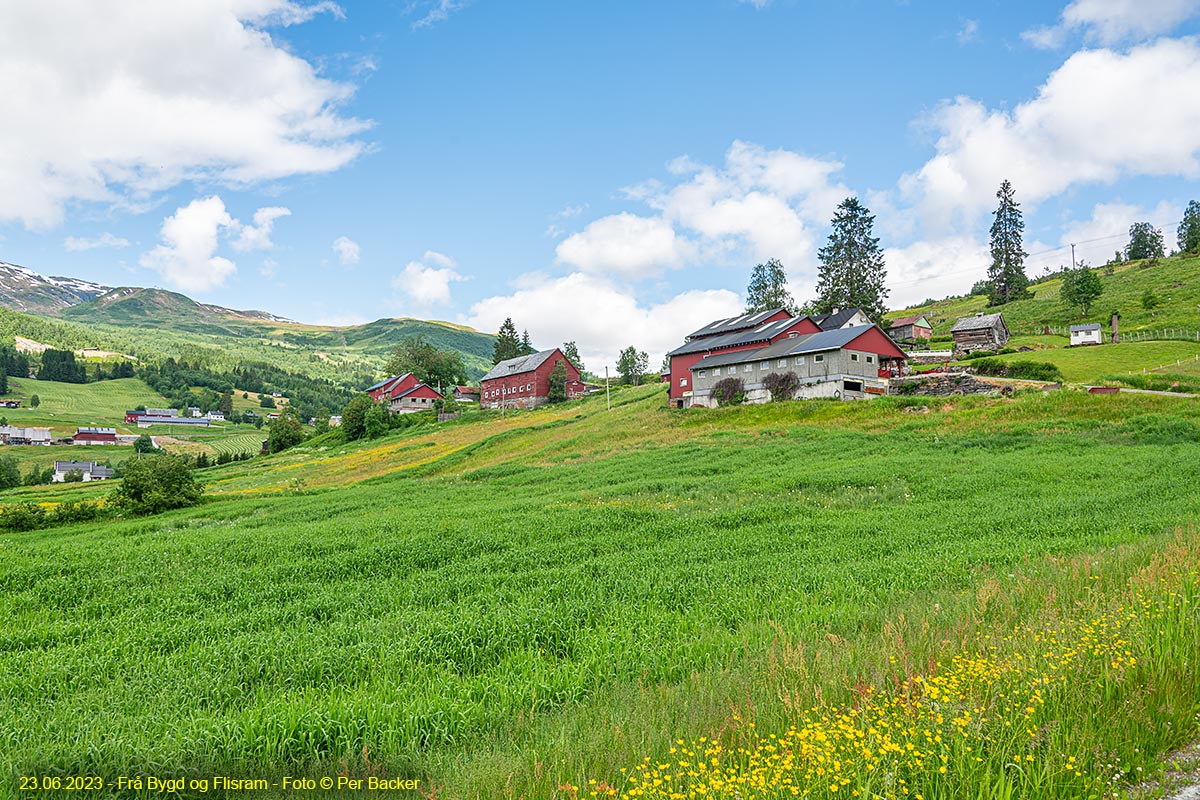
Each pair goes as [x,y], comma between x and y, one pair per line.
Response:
[681,365]
[540,378]
[874,341]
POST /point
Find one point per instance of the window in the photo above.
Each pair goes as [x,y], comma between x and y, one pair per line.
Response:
[818,358]
[793,335]
[854,356]
[800,361]
[765,365]
[717,371]
[683,381]
[747,368]
[870,359]
[781,363]
[703,373]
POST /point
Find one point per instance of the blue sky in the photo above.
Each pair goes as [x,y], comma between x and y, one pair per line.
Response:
[602,172]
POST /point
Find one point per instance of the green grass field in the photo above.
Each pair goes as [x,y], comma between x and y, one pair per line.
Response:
[508,607]
[1091,364]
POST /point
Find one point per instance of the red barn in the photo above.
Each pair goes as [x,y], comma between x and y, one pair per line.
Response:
[404,394]
[389,387]
[524,382]
[746,332]
[95,436]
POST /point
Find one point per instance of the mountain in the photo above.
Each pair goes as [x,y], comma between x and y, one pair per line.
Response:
[22,289]
[115,314]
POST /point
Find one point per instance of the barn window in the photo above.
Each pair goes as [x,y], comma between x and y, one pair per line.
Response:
[765,365]
[870,359]
[854,356]
[818,358]
[747,368]
[800,361]
[782,363]
[703,373]
[683,381]
[717,371]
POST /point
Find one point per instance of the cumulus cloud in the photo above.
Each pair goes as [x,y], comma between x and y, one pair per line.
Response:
[258,235]
[602,317]
[347,250]
[759,204]
[1107,229]
[118,99]
[934,268]
[103,240]
[427,282]
[1081,128]
[1113,21]
[187,257]
[624,244]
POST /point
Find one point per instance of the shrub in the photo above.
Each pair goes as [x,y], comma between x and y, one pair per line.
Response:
[285,432]
[782,386]
[354,417]
[156,483]
[729,391]
[23,517]
[143,444]
[73,476]
[1025,370]
[375,421]
[10,472]
[73,511]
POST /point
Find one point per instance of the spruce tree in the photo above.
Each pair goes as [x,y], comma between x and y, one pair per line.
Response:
[1189,229]
[526,343]
[507,344]
[1007,272]
[571,351]
[852,271]
[768,288]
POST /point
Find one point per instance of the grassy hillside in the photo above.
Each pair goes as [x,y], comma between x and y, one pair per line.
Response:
[563,593]
[66,406]
[1174,281]
[1093,364]
[369,344]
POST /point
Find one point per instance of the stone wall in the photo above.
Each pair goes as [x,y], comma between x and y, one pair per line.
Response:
[943,385]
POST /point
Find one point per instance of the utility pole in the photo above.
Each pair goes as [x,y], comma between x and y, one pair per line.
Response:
[607,394]
[1073,264]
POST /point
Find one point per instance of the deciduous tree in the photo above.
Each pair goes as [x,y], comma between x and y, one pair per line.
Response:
[1145,241]
[768,288]
[571,351]
[557,391]
[1081,287]
[632,364]
[156,483]
[427,362]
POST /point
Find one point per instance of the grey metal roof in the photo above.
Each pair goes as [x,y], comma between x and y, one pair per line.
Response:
[83,466]
[98,430]
[800,345]
[830,321]
[14,432]
[977,323]
[731,324]
[1092,326]
[147,419]
[761,333]
[518,365]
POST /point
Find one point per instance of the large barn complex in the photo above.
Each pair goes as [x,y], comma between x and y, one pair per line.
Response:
[524,381]
[847,362]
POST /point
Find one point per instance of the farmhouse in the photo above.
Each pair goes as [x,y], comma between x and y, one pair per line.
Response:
[215,416]
[1086,334]
[745,332]
[911,329]
[980,332]
[13,435]
[524,381]
[466,394]
[95,436]
[404,394]
[91,471]
[842,318]
[844,363]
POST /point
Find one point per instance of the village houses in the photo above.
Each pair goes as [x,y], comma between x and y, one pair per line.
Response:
[404,394]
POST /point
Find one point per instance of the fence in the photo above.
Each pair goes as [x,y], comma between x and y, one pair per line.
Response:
[1163,334]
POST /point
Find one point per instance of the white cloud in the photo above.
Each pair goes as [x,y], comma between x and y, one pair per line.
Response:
[934,268]
[968,33]
[269,268]
[756,3]
[347,250]
[258,235]
[103,240]
[624,244]
[1107,230]
[118,100]
[602,318]
[435,11]
[760,204]
[187,258]
[427,282]
[1083,127]
[1113,21]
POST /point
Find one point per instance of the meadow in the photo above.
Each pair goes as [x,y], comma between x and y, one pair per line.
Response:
[64,407]
[518,606]
[1091,364]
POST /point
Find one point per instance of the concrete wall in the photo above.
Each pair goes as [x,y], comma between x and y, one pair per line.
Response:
[832,366]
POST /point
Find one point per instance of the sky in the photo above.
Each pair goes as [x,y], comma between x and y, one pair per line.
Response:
[602,172]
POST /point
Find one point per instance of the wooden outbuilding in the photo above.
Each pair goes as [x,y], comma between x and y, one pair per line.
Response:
[980,332]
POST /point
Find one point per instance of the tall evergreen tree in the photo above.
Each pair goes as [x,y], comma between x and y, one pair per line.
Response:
[768,288]
[507,344]
[852,270]
[1189,229]
[1007,272]
[526,343]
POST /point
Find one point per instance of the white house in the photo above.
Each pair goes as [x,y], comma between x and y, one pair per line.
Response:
[1086,334]
[215,416]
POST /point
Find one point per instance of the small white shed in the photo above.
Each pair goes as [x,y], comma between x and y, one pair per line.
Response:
[1086,334]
